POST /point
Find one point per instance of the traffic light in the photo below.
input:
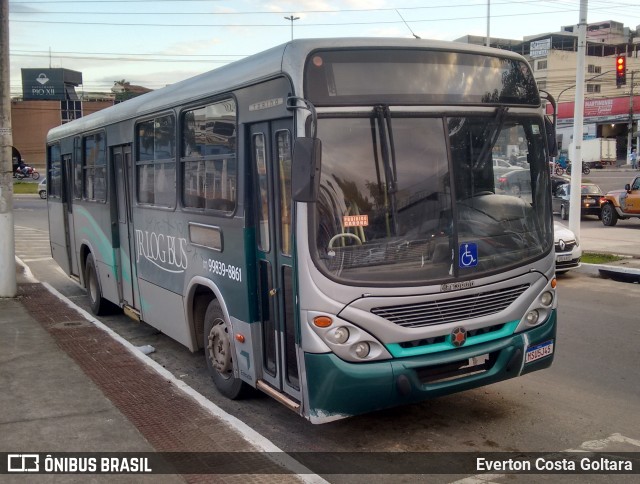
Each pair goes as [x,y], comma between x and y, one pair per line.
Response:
[621,70]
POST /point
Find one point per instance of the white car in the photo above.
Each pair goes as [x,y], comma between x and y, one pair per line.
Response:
[568,250]
[42,188]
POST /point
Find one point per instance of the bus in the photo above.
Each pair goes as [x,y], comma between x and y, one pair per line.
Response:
[324,220]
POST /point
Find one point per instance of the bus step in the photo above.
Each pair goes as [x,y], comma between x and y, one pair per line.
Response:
[132,313]
[281,397]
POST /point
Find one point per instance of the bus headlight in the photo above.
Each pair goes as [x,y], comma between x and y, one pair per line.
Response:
[346,340]
[532,317]
[546,298]
[339,335]
[362,349]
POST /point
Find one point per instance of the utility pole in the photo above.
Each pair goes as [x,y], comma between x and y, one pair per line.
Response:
[578,122]
[488,23]
[630,127]
[8,286]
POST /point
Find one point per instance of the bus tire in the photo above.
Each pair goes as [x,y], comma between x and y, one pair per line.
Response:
[97,303]
[218,353]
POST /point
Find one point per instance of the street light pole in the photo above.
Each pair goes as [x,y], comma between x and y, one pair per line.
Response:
[578,122]
[292,18]
[630,127]
[8,286]
[586,80]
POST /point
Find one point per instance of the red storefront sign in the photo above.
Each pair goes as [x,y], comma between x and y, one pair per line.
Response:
[614,106]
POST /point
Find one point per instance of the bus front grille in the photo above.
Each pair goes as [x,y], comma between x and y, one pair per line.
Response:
[450,310]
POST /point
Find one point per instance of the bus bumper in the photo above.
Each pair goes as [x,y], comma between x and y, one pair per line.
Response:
[339,389]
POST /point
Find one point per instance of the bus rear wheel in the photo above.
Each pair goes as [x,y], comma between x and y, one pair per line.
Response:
[97,303]
[218,353]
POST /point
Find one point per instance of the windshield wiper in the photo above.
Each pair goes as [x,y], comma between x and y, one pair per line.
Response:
[489,142]
[388,152]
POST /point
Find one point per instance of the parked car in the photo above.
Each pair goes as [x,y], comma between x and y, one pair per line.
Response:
[590,195]
[557,180]
[621,204]
[42,188]
[520,161]
[515,182]
[567,246]
[502,166]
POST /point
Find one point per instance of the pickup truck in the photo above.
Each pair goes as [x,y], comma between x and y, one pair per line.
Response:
[621,204]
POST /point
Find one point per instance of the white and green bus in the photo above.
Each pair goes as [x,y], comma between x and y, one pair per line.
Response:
[329,220]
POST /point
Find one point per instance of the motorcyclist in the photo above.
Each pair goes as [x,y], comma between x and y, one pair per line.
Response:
[22,167]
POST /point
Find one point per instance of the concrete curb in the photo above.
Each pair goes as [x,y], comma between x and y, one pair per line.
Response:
[625,274]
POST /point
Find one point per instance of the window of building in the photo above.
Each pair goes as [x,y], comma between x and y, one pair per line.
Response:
[156,162]
[94,165]
[54,188]
[208,157]
[593,88]
[541,65]
[593,69]
[542,84]
[70,110]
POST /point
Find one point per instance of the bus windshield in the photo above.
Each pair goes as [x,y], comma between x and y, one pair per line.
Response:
[413,198]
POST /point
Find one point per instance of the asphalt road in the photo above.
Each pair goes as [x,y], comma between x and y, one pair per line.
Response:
[608,179]
[589,397]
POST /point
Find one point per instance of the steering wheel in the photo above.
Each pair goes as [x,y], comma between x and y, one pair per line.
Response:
[344,234]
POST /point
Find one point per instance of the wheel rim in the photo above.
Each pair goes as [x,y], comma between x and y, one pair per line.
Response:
[93,286]
[606,214]
[219,349]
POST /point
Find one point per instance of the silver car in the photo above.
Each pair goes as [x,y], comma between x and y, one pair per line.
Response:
[568,250]
[42,188]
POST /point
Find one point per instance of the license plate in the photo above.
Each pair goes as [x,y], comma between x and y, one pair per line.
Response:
[539,351]
[564,258]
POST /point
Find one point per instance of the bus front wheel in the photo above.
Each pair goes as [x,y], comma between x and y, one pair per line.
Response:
[218,353]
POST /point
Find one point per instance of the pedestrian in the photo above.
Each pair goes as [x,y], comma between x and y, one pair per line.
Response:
[634,159]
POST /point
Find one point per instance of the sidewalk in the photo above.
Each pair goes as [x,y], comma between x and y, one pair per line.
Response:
[67,385]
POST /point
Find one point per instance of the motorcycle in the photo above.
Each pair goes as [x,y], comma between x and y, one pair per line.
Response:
[585,169]
[26,172]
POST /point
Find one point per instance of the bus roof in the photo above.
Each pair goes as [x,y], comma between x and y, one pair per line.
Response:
[288,58]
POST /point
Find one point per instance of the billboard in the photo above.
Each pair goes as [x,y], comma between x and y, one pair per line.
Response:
[50,84]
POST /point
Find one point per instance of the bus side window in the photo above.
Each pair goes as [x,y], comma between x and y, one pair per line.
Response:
[208,158]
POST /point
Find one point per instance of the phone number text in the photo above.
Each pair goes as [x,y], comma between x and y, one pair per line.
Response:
[221,269]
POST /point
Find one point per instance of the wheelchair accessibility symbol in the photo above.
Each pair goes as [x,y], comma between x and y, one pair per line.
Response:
[468,255]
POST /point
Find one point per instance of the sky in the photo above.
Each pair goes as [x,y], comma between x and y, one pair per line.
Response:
[154,43]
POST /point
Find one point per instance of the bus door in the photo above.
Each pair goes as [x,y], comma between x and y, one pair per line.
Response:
[121,156]
[67,203]
[271,145]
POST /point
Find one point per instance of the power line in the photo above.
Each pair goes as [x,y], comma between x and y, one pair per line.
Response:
[322,24]
[270,12]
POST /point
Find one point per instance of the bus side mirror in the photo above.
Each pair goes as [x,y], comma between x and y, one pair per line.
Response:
[305,170]
[552,141]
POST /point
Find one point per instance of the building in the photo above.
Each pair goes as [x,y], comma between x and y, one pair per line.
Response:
[610,111]
[49,99]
